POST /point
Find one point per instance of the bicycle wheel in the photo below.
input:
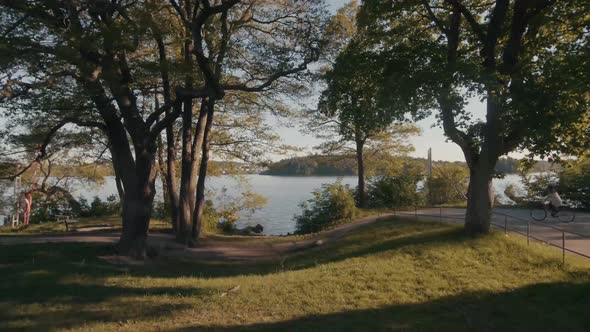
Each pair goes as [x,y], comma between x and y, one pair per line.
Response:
[566,215]
[538,214]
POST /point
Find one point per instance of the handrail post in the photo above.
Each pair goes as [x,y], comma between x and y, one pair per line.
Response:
[505,224]
[528,230]
[563,248]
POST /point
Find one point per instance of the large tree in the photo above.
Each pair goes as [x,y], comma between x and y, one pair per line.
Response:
[527,59]
[349,107]
[100,56]
[248,46]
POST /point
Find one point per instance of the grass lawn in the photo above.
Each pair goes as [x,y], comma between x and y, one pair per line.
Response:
[394,275]
[54,227]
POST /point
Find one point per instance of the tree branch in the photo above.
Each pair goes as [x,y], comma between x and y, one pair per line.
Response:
[434,18]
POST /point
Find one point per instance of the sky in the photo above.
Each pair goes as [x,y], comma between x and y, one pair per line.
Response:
[432,135]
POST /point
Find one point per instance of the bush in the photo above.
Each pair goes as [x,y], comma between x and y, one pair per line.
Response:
[448,184]
[536,186]
[222,217]
[332,204]
[161,210]
[574,182]
[393,191]
[98,207]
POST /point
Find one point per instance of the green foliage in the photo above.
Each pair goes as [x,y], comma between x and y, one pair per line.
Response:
[448,183]
[535,186]
[222,217]
[338,165]
[393,191]
[536,84]
[331,204]
[100,208]
[507,166]
[574,182]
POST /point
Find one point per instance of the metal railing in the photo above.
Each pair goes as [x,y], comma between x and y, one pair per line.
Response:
[511,224]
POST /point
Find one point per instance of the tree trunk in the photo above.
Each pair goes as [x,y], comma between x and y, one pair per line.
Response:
[362,187]
[137,207]
[189,152]
[190,162]
[162,172]
[120,189]
[171,184]
[200,197]
[187,187]
[480,199]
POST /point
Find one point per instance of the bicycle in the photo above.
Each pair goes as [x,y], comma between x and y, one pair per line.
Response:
[564,213]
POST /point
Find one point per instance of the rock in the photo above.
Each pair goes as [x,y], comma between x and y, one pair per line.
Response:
[319,243]
[251,230]
[258,229]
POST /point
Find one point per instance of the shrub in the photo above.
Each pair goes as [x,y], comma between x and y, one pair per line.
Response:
[574,182]
[161,210]
[536,185]
[448,184]
[330,205]
[393,191]
[98,207]
[223,216]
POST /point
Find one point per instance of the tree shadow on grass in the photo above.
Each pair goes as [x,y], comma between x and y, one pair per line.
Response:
[57,286]
[541,307]
[68,318]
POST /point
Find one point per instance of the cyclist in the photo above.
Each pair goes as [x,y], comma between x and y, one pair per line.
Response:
[552,201]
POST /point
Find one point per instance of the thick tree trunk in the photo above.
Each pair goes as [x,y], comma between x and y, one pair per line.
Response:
[187,195]
[190,162]
[480,198]
[137,207]
[362,187]
[200,197]
[187,186]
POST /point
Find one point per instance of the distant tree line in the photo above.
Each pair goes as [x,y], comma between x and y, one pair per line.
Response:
[314,165]
[345,165]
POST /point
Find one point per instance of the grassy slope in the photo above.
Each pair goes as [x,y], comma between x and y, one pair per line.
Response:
[392,275]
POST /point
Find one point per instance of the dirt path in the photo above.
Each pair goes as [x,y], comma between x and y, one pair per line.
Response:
[210,249]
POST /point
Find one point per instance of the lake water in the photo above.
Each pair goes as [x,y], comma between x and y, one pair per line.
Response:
[282,192]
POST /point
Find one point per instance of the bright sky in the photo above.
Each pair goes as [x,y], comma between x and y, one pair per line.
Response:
[432,135]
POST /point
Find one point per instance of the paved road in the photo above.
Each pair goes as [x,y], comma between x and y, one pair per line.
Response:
[577,233]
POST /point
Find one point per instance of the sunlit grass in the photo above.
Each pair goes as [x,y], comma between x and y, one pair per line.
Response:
[393,275]
[54,227]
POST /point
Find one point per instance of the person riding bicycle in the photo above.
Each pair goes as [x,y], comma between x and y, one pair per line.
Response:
[552,201]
